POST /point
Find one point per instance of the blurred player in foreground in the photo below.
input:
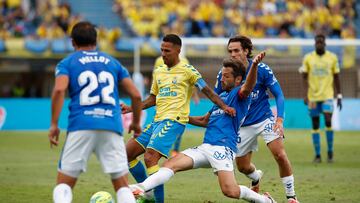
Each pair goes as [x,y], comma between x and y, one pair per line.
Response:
[219,145]
[260,120]
[320,71]
[171,91]
[92,79]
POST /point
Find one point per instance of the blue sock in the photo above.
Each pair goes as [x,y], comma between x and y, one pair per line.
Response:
[137,170]
[159,190]
[330,139]
[177,143]
[316,142]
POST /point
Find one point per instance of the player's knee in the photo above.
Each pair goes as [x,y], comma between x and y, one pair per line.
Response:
[151,158]
[281,156]
[245,169]
[231,191]
[328,123]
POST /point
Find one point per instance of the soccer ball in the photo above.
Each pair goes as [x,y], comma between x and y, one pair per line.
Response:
[102,197]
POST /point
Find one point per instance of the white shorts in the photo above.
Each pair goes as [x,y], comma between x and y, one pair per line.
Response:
[249,134]
[108,147]
[220,158]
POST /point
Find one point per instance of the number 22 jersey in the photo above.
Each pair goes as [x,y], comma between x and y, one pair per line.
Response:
[93,90]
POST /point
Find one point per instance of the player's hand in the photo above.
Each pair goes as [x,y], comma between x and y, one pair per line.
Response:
[53,135]
[306,101]
[279,127]
[136,128]
[229,110]
[339,103]
[125,108]
[258,58]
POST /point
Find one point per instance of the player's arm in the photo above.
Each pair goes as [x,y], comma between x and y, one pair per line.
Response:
[214,97]
[280,106]
[135,97]
[306,87]
[338,90]
[201,121]
[57,102]
[147,103]
[250,82]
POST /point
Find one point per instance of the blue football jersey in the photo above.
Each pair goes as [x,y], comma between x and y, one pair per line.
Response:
[260,106]
[93,89]
[222,129]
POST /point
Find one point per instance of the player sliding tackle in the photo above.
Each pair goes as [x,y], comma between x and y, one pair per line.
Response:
[219,145]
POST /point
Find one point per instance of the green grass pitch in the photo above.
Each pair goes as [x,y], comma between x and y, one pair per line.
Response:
[28,171]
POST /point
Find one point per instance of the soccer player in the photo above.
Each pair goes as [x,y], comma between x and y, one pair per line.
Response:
[171,90]
[219,145]
[260,120]
[92,79]
[320,71]
[195,96]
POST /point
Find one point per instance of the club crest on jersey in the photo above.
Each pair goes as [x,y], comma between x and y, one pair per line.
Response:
[2,116]
[158,82]
[174,81]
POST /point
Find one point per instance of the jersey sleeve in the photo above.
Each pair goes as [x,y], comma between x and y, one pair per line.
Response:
[336,67]
[267,75]
[123,72]
[62,68]
[305,65]
[193,74]
[154,87]
[218,87]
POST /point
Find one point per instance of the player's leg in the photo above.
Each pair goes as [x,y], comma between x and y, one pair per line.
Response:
[247,143]
[278,151]
[76,151]
[328,109]
[136,147]
[231,189]
[110,151]
[161,141]
[314,111]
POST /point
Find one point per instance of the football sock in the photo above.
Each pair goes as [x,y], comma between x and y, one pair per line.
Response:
[62,193]
[137,170]
[254,176]
[159,190]
[163,175]
[289,185]
[316,142]
[177,143]
[251,196]
[125,195]
[330,139]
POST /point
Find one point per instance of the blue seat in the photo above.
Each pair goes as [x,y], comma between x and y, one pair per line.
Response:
[36,45]
[58,46]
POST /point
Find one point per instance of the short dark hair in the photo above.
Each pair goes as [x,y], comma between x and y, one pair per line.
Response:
[238,67]
[245,43]
[84,34]
[173,38]
[320,36]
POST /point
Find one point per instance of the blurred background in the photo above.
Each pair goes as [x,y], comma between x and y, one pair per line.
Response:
[34,37]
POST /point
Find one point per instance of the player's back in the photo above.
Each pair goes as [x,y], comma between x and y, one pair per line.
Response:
[93,89]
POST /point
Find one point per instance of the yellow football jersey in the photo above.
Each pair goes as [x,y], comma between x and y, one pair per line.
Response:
[173,89]
[320,70]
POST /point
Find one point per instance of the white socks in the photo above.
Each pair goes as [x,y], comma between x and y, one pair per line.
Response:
[251,196]
[254,176]
[124,195]
[62,193]
[163,175]
[289,185]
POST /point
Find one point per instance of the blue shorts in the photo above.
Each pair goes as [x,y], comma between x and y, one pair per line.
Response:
[161,135]
[316,108]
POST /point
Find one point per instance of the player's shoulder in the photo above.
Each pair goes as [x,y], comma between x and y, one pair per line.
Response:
[309,55]
[331,54]
[264,68]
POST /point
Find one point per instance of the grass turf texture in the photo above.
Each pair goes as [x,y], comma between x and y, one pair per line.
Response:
[28,171]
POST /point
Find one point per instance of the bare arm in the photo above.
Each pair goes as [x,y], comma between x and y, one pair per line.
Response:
[306,86]
[135,96]
[252,76]
[57,102]
[201,121]
[147,103]
[217,100]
